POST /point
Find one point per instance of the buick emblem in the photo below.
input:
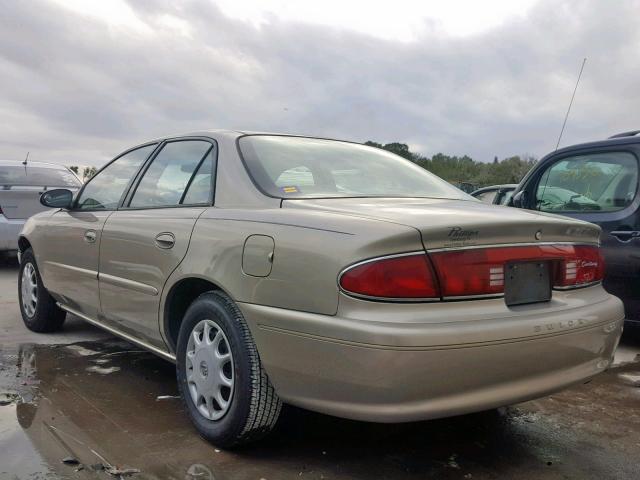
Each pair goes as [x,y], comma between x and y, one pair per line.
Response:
[538,235]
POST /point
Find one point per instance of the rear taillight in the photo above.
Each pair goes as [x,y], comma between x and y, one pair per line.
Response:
[468,273]
[399,277]
[585,265]
[480,271]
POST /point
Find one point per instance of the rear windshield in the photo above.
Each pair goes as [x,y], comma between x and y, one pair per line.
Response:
[37,176]
[296,167]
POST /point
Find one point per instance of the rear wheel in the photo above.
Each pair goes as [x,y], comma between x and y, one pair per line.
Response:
[226,392]
[38,308]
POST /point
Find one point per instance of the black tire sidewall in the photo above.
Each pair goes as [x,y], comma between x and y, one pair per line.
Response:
[26,258]
[228,429]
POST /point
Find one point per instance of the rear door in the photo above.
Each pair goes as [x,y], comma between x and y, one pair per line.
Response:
[73,239]
[21,187]
[148,237]
[601,187]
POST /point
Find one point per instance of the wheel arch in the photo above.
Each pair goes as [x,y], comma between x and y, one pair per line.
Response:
[178,299]
[23,243]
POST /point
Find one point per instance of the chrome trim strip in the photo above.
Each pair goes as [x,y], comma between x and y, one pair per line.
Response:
[125,336]
[83,271]
[475,297]
[579,285]
[384,299]
[501,245]
[128,284]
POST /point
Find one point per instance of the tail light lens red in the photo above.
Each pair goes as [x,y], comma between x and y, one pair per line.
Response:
[408,276]
[473,272]
[481,271]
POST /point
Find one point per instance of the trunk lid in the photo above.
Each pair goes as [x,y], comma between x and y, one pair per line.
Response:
[445,223]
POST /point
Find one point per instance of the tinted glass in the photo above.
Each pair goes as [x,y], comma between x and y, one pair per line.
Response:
[167,177]
[37,176]
[598,182]
[105,189]
[199,191]
[294,167]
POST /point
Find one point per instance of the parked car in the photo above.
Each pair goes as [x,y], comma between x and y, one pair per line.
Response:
[596,182]
[326,274]
[20,189]
[495,194]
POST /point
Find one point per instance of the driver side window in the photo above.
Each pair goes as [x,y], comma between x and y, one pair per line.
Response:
[602,182]
[104,190]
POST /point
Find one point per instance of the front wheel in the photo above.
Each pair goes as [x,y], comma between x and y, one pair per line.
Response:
[226,392]
[39,310]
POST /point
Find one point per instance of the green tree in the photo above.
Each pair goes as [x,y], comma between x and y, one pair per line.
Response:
[465,169]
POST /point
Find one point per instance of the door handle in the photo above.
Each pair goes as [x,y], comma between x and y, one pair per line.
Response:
[90,236]
[625,235]
[165,240]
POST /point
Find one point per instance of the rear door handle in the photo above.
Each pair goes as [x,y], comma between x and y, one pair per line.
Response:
[165,240]
[90,236]
[625,235]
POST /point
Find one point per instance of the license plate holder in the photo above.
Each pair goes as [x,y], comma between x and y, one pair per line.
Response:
[527,282]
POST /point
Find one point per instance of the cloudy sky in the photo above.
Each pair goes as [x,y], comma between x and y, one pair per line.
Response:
[82,80]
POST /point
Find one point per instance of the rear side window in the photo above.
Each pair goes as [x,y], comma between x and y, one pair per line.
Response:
[602,182]
[166,179]
[37,176]
[200,189]
[104,191]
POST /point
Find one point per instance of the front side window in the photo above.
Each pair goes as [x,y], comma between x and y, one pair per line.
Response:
[165,181]
[104,190]
[299,167]
[601,182]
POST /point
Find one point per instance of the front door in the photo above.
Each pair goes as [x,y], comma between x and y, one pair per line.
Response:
[602,188]
[146,240]
[74,236]
[71,269]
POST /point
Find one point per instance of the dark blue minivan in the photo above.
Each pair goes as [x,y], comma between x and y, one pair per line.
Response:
[596,182]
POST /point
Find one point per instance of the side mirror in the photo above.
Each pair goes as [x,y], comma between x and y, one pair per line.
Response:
[57,198]
[519,200]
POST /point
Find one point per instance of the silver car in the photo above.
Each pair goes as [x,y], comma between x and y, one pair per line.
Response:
[325,274]
[20,188]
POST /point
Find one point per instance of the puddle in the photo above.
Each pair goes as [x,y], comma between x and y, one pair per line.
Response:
[117,406]
[102,370]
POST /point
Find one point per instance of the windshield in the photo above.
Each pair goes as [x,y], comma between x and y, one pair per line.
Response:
[296,167]
[37,176]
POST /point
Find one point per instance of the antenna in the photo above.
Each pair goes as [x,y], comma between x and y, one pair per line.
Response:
[571,102]
[25,159]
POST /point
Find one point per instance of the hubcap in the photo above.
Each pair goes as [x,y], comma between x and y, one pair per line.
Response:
[29,289]
[209,370]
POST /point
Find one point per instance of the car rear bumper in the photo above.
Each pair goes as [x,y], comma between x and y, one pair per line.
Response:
[9,231]
[405,370]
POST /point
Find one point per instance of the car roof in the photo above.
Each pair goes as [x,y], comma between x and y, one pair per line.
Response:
[233,134]
[625,138]
[19,163]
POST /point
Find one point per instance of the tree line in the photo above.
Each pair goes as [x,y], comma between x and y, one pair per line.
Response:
[461,170]
[85,174]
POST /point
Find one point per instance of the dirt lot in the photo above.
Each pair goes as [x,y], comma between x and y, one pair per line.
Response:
[84,394]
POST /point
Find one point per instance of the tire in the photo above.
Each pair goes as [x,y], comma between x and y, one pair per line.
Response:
[252,405]
[45,315]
